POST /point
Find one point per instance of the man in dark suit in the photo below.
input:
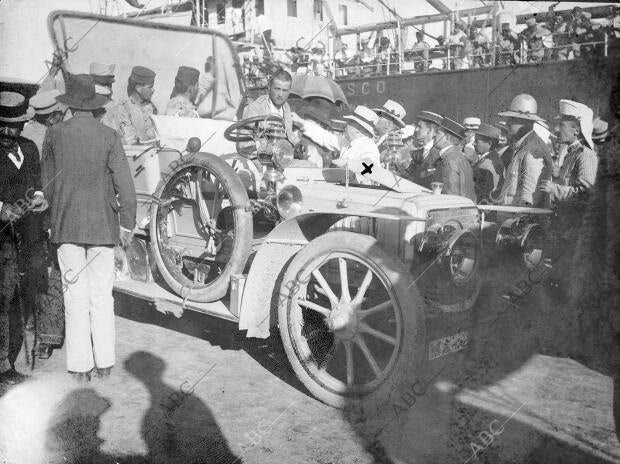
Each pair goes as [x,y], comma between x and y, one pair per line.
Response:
[21,198]
[424,158]
[489,168]
[93,205]
[454,170]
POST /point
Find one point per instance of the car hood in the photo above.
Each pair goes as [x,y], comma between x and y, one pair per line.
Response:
[338,199]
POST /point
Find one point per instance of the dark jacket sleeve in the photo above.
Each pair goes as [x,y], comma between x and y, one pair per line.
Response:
[123,183]
[36,168]
[48,168]
[450,177]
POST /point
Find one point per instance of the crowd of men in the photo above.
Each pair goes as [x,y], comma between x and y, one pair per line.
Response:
[562,36]
[62,155]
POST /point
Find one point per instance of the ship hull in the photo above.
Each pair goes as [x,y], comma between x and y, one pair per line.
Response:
[485,92]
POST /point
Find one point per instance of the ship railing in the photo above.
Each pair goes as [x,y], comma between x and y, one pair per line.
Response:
[439,59]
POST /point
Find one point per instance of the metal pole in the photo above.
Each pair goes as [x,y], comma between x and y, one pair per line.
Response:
[317,34]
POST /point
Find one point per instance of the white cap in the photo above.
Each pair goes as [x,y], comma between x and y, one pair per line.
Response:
[471,123]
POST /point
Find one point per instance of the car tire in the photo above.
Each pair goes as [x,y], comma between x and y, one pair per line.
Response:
[400,360]
[243,229]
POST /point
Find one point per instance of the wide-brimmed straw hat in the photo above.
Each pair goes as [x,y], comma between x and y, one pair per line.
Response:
[523,106]
[81,93]
[365,118]
[393,111]
[14,107]
[580,112]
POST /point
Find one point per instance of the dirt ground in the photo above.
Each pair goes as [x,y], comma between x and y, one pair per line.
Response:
[194,390]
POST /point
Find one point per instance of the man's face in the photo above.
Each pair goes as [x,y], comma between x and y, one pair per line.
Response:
[569,131]
[425,133]
[482,145]
[441,141]
[279,92]
[515,125]
[383,126]
[469,135]
[9,133]
[145,91]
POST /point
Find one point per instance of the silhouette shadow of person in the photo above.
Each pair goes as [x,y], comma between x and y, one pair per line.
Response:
[72,435]
[178,427]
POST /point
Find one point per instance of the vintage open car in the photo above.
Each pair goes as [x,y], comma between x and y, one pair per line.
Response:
[365,276]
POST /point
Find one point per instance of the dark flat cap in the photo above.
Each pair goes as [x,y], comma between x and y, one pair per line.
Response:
[142,75]
[489,131]
[453,127]
[430,117]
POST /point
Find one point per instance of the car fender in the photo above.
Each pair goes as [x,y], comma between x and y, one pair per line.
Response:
[261,291]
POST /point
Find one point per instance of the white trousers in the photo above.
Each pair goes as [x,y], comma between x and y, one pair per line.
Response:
[88,277]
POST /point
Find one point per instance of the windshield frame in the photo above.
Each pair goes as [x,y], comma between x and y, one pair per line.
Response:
[57,16]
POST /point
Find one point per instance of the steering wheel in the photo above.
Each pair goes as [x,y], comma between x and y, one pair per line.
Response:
[242,131]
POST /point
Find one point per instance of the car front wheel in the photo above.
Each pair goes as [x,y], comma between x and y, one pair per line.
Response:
[351,324]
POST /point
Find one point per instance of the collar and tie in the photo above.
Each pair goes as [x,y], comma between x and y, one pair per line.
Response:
[16,156]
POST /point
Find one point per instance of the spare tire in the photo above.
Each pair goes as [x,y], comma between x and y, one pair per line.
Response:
[201,227]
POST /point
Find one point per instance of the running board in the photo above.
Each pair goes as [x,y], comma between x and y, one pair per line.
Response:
[168,302]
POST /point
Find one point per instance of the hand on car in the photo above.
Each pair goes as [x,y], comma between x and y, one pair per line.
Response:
[10,212]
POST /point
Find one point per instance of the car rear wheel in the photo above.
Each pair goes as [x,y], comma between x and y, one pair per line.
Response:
[201,227]
[351,326]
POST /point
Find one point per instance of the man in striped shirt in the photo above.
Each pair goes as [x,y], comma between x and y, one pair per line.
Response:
[578,172]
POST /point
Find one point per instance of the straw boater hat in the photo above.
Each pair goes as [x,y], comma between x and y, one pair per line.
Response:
[45,102]
[14,107]
[600,130]
[429,116]
[393,111]
[578,111]
[81,94]
[471,123]
[453,127]
[523,106]
[365,118]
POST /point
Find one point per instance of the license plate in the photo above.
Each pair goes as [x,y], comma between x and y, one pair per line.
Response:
[443,346]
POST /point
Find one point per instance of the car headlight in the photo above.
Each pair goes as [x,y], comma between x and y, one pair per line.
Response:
[533,246]
[283,153]
[289,201]
[521,233]
[463,256]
